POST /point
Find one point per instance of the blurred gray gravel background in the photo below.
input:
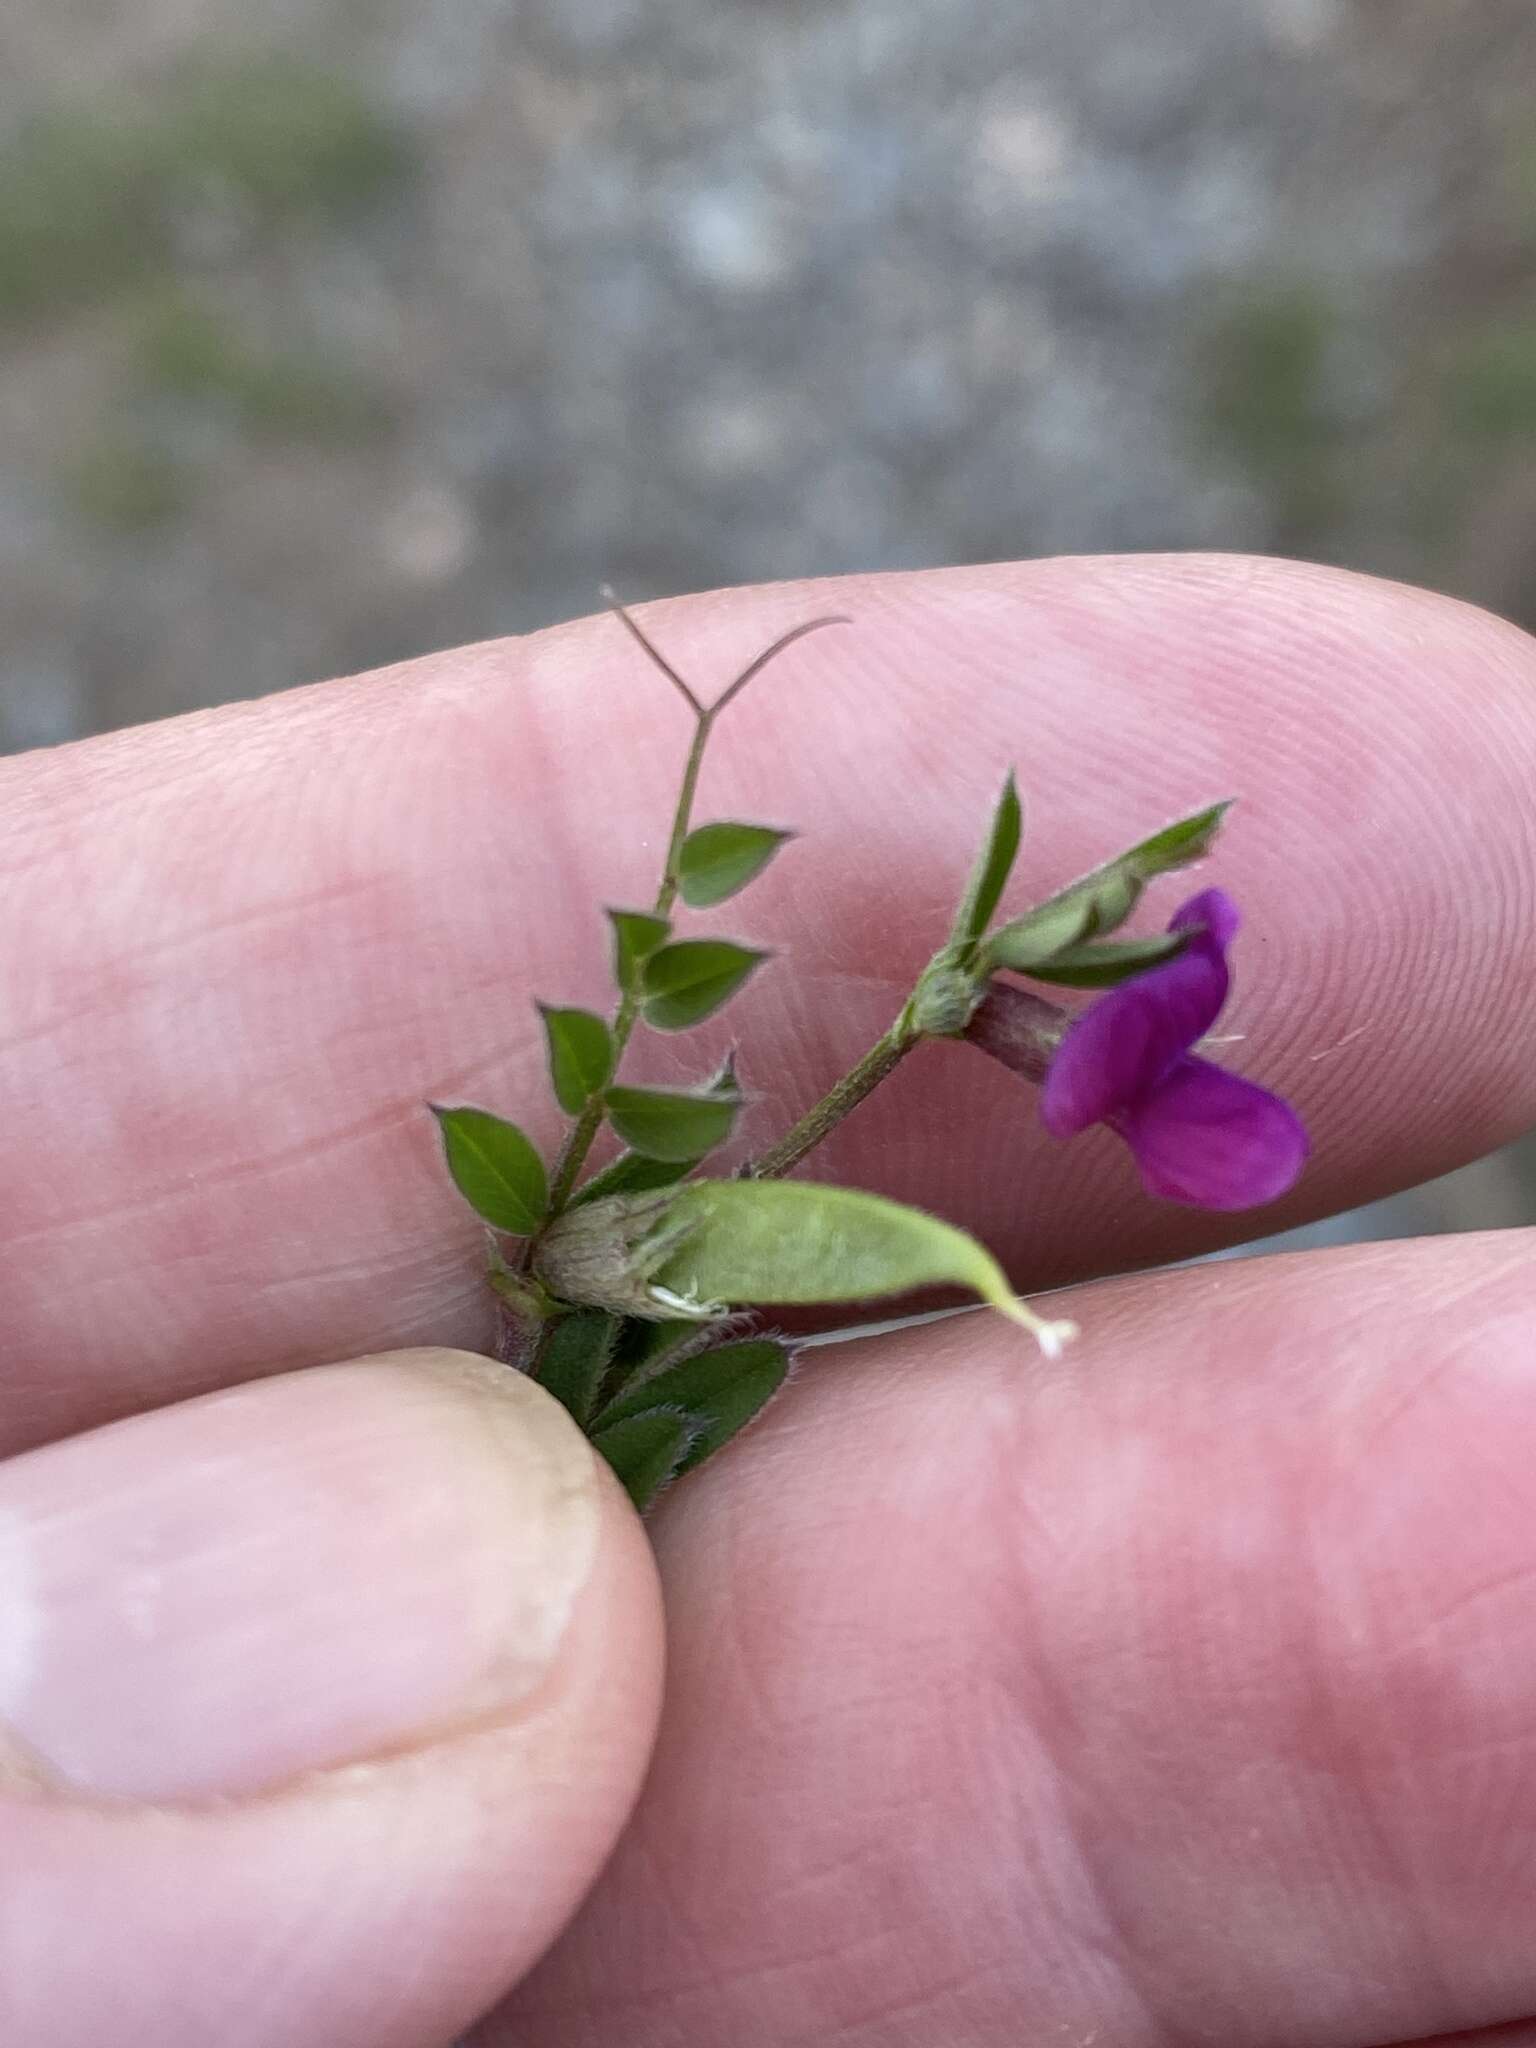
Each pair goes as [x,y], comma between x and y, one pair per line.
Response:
[342,329]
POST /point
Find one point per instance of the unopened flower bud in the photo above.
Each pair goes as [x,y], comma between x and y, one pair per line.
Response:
[604,1255]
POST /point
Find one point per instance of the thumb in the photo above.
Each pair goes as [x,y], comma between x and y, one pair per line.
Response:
[321,1704]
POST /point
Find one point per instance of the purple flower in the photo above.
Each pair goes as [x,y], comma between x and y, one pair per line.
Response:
[1198,1133]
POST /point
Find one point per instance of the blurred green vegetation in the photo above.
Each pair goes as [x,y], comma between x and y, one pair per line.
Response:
[1520,183]
[1452,423]
[1490,379]
[129,477]
[78,217]
[96,203]
[287,138]
[1262,396]
[186,350]
[90,198]
[124,484]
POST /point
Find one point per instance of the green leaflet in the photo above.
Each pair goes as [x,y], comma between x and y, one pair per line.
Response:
[648,1451]
[495,1168]
[574,1357]
[719,1390]
[1103,900]
[688,981]
[636,935]
[671,1123]
[718,860]
[1180,844]
[645,1347]
[632,1173]
[580,1056]
[994,865]
[1108,965]
[755,1241]
[1037,937]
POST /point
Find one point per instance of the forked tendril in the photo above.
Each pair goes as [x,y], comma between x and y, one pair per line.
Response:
[733,689]
[578,1142]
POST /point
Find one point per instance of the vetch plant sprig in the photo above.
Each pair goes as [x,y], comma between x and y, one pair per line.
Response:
[633,1292]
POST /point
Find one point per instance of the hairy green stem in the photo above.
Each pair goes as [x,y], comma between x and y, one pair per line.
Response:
[883,1056]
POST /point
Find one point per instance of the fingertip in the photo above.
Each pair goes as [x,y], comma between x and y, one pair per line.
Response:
[368,1650]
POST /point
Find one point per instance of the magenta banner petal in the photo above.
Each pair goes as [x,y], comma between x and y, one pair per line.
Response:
[1215,911]
[1121,1047]
[1198,1134]
[1214,1140]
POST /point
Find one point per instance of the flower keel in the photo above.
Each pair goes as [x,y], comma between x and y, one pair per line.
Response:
[1197,1133]
[1211,1139]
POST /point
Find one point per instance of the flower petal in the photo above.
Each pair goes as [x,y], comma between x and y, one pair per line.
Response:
[1212,1139]
[1215,910]
[1121,1047]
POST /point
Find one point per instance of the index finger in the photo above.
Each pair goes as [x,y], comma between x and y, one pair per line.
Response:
[245,946]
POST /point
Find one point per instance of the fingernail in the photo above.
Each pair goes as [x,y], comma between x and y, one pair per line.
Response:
[308,1571]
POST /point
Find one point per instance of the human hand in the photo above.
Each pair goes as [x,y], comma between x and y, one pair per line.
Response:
[1174,1692]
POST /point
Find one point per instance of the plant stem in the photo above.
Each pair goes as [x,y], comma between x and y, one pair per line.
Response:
[666,895]
[883,1056]
[578,1143]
